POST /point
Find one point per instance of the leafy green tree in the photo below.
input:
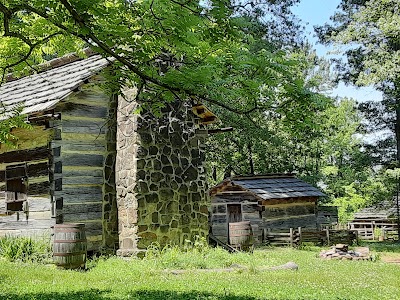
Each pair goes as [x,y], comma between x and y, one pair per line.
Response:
[9,121]
[370,31]
[169,49]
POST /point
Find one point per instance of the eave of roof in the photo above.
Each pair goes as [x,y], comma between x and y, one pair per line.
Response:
[42,91]
[275,186]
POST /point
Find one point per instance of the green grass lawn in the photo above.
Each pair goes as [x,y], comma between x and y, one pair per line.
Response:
[115,278]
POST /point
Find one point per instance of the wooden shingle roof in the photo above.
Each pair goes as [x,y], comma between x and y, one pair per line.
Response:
[384,210]
[42,91]
[274,186]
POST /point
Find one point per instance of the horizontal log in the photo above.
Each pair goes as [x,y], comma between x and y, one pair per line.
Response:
[279,239]
[250,208]
[25,155]
[217,208]
[83,110]
[308,221]
[98,139]
[85,216]
[92,129]
[220,198]
[281,201]
[79,194]
[288,212]
[255,216]
[82,160]
[272,234]
[82,208]
[11,223]
[39,188]
[218,219]
[36,170]
[79,146]
[68,180]
[73,171]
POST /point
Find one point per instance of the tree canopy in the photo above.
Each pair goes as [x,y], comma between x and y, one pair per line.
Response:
[369,33]
[170,49]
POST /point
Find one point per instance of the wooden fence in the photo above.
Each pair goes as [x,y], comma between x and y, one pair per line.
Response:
[374,230]
[296,237]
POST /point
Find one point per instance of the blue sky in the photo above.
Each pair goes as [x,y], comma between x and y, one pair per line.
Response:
[317,12]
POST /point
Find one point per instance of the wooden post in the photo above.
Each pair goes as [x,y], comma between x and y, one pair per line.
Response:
[264,236]
[327,236]
[291,237]
[300,237]
[373,230]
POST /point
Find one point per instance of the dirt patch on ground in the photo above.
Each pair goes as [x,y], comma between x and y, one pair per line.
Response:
[391,259]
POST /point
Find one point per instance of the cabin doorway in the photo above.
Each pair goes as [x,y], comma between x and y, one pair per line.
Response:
[234,213]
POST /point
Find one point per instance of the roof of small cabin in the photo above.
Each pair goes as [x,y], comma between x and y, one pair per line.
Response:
[276,186]
[383,210]
[42,91]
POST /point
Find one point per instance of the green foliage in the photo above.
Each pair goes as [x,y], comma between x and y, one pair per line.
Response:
[350,203]
[25,249]
[367,33]
[167,48]
[9,121]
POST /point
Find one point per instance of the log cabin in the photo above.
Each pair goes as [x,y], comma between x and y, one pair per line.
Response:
[274,202]
[132,178]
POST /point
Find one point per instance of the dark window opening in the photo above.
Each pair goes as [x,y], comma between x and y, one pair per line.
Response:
[16,187]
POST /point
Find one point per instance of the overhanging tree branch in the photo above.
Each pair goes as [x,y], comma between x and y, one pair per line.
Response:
[86,34]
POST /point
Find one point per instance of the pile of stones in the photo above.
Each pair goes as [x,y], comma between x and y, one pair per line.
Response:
[341,251]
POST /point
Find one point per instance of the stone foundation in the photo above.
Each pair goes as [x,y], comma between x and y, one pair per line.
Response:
[160,177]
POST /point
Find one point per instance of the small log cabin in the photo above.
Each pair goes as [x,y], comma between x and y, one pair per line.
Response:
[381,217]
[276,202]
[132,179]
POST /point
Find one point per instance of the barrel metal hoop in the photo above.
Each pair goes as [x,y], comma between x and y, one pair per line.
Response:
[70,241]
[69,253]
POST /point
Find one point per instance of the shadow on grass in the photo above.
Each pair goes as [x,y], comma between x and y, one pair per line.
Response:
[136,295]
[387,246]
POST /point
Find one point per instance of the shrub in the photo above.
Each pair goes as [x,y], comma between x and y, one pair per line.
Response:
[25,249]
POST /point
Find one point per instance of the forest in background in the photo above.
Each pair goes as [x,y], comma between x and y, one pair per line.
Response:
[251,64]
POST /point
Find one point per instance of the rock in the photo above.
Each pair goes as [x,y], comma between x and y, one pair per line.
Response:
[288,266]
[362,251]
[342,247]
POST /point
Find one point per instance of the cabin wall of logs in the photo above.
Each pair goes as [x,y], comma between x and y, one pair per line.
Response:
[69,177]
[84,162]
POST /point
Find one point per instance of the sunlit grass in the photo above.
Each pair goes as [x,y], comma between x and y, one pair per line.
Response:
[149,278]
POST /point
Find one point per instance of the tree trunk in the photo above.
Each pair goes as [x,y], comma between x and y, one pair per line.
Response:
[251,163]
[397,132]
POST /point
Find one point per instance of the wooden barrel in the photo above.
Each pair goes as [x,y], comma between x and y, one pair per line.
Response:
[241,235]
[69,246]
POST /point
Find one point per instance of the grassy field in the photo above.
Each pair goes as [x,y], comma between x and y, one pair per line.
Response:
[149,278]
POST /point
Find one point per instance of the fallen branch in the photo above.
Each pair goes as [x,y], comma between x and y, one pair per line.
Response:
[288,266]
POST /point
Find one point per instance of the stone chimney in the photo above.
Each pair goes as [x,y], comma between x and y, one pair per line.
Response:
[160,177]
